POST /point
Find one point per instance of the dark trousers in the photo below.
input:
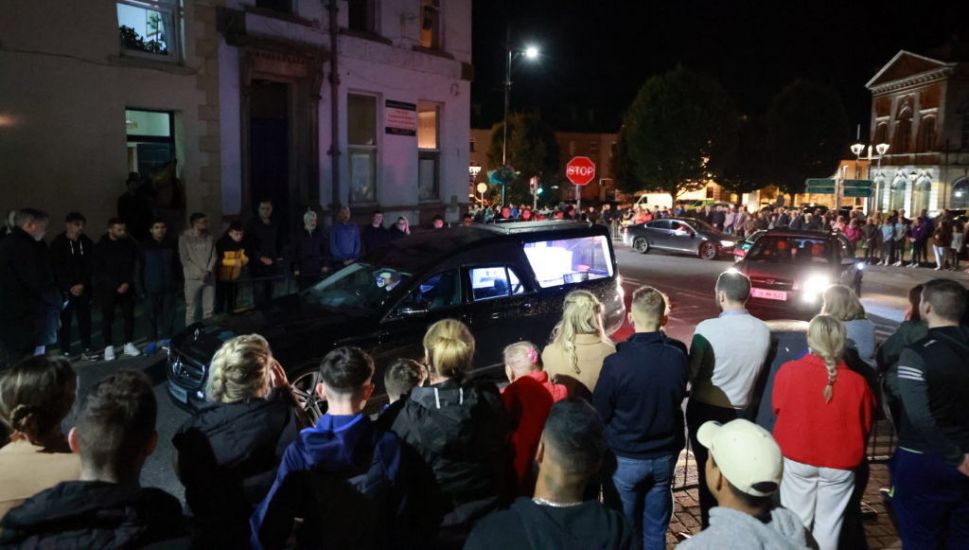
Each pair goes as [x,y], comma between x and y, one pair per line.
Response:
[126,301]
[262,285]
[888,251]
[226,293]
[871,253]
[696,414]
[160,311]
[930,500]
[852,529]
[900,250]
[918,251]
[79,306]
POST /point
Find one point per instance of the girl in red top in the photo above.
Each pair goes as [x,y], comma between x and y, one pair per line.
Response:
[824,414]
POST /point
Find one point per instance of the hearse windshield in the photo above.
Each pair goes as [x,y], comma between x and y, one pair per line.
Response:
[359,286]
[566,261]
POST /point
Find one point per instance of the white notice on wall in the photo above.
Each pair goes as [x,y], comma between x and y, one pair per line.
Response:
[400,118]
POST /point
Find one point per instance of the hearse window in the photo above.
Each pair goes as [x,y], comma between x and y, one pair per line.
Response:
[488,283]
[567,261]
[436,292]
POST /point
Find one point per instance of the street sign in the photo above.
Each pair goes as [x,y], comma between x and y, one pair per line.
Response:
[823,186]
[857,192]
[580,170]
[857,184]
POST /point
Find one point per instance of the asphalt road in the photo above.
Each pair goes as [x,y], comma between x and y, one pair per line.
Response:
[688,281]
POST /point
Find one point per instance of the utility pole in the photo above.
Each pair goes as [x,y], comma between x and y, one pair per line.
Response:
[334,78]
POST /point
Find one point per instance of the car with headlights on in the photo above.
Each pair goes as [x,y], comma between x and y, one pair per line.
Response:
[506,282]
[678,235]
[792,269]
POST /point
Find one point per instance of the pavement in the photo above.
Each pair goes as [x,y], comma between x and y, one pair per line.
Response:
[688,281]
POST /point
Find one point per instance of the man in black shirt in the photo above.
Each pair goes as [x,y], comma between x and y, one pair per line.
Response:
[71,255]
[569,454]
[265,250]
[930,469]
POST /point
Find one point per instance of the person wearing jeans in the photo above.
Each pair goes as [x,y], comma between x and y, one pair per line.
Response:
[115,262]
[639,396]
[158,276]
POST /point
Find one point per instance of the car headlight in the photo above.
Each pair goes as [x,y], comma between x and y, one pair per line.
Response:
[727,244]
[813,287]
[860,266]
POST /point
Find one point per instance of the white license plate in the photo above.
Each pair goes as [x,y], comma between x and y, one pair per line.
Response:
[177,392]
[768,294]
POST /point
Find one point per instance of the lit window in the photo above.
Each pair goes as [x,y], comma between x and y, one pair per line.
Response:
[362,141]
[429,153]
[149,28]
[431,24]
[151,140]
[569,261]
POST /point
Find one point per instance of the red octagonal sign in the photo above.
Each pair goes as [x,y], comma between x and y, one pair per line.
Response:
[580,170]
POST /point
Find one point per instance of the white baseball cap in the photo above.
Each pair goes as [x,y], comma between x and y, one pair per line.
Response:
[747,455]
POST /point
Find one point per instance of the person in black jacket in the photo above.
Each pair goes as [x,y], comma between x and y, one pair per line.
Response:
[29,299]
[115,259]
[158,277]
[640,396]
[106,508]
[71,255]
[375,235]
[458,430]
[134,206]
[265,249]
[309,252]
[228,453]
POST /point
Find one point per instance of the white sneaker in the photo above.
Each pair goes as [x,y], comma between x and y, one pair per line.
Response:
[898,263]
[109,353]
[131,350]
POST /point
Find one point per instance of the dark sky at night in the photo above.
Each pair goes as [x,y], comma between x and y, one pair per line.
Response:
[596,54]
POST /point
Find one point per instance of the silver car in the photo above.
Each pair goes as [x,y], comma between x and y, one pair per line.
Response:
[680,235]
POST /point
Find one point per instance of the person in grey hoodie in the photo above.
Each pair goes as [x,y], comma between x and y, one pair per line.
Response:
[744,470]
[196,248]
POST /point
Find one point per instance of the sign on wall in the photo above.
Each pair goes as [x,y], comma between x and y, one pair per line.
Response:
[400,118]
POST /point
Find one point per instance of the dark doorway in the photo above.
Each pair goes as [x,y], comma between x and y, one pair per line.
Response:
[269,148]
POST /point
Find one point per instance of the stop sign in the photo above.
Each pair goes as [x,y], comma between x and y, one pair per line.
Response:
[580,170]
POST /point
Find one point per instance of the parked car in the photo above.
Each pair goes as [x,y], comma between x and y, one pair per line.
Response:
[680,235]
[507,282]
[791,269]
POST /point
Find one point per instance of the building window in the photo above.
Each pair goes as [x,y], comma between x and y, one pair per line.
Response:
[881,132]
[903,132]
[151,140]
[149,28]
[926,138]
[431,24]
[965,129]
[361,15]
[282,6]
[362,142]
[428,151]
[960,195]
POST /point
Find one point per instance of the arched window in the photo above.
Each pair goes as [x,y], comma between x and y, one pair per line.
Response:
[881,132]
[960,195]
[926,138]
[903,131]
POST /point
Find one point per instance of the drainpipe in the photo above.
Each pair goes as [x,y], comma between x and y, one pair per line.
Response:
[334,150]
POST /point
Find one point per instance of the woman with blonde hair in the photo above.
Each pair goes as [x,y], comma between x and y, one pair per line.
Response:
[226,455]
[579,342]
[824,414]
[843,304]
[35,397]
[459,429]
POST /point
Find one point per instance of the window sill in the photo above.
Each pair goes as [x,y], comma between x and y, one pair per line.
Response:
[366,35]
[283,16]
[137,61]
[433,51]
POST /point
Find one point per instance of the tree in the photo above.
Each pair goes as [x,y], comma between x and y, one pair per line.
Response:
[532,151]
[807,132]
[749,167]
[679,132]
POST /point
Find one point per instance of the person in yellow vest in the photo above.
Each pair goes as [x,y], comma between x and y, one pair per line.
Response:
[232,258]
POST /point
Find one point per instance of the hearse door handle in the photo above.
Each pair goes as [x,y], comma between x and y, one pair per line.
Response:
[527,306]
[496,315]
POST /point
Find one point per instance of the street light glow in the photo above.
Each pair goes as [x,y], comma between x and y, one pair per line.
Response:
[531,52]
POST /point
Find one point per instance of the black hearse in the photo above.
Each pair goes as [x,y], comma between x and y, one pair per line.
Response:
[507,282]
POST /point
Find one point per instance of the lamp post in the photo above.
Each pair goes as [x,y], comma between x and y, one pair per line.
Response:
[473,170]
[858,149]
[530,53]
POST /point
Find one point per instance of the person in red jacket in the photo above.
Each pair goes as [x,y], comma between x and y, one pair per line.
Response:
[528,399]
[824,414]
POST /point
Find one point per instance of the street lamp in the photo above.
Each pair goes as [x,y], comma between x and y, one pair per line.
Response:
[530,53]
[858,149]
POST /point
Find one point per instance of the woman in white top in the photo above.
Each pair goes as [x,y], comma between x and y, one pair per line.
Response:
[841,303]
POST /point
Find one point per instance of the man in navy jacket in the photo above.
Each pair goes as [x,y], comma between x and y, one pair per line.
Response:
[639,396]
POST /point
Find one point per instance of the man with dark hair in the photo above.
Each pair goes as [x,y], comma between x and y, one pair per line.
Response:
[158,275]
[639,397]
[375,235]
[743,472]
[930,469]
[196,249]
[134,206]
[29,299]
[726,357]
[265,248]
[438,222]
[569,455]
[401,377]
[71,255]
[344,240]
[114,435]
[115,264]
[342,476]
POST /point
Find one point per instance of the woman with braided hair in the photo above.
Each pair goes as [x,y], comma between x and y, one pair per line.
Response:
[35,397]
[824,414]
[579,343]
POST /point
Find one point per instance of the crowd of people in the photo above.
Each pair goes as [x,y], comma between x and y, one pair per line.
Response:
[578,450]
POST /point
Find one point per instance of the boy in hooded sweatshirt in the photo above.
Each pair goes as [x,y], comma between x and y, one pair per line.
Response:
[744,470]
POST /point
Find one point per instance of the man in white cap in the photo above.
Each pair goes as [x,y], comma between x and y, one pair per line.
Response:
[743,471]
